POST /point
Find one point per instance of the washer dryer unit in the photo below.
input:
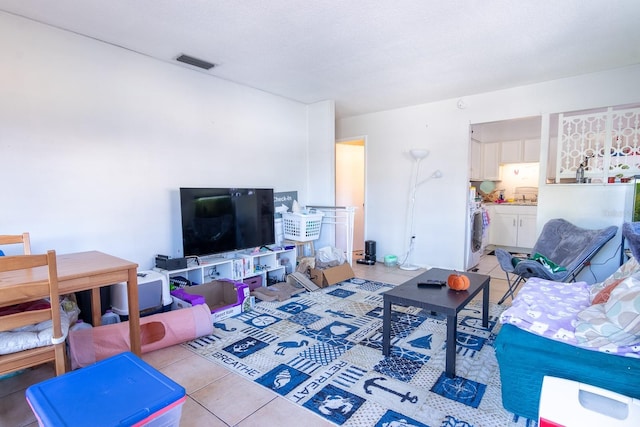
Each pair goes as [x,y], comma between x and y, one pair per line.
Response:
[475,233]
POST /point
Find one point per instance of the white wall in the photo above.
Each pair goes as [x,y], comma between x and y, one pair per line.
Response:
[112,135]
[442,128]
[321,173]
[320,178]
[96,140]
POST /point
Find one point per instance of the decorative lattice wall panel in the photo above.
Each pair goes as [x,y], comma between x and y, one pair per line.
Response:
[608,142]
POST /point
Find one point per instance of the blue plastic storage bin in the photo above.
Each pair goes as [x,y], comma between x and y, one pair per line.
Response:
[122,390]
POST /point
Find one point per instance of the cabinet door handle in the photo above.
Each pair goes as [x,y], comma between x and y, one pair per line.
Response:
[521,223]
[514,222]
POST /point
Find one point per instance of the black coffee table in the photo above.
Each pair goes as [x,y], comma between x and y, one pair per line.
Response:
[441,300]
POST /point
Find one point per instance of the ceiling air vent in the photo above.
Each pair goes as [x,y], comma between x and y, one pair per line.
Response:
[195,62]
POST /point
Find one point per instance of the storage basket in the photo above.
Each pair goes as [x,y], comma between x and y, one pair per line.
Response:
[301,227]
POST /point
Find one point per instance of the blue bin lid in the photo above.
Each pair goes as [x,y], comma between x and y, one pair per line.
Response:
[119,391]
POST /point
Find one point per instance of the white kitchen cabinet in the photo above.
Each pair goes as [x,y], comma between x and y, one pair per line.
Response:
[503,231]
[513,226]
[530,150]
[511,151]
[527,231]
[491,161]
[520,151]
[486,157]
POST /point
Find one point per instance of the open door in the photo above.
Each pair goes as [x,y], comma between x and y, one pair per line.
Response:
[350,170]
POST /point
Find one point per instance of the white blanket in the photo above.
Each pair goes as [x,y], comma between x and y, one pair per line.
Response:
[38,335]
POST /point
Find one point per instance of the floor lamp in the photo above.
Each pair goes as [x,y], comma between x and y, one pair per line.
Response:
[417,156]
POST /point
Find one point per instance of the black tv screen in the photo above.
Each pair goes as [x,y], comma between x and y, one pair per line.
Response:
[216,220]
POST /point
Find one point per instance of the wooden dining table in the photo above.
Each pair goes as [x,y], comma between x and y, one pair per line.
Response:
[90,270]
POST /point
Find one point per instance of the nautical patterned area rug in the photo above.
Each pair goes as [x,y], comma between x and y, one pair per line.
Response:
[323,350]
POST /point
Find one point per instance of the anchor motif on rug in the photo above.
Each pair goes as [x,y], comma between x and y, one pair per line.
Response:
[244,346]
[372,383]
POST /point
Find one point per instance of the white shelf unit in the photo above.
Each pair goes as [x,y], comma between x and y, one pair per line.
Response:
[206,272]
[271,265]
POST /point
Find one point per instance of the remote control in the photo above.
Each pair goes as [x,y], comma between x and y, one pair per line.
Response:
[431,284]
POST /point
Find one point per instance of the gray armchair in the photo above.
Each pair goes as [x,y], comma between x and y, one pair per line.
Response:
[560,241]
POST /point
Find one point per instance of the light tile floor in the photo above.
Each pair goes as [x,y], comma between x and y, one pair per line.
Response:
[216,396]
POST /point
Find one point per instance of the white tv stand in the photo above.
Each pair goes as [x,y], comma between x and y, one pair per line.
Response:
[239,266]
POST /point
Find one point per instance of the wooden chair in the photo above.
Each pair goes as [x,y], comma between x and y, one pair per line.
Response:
[15,288]
[10,239]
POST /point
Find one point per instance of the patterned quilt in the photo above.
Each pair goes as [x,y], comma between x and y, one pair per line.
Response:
[548,308]
[553,309]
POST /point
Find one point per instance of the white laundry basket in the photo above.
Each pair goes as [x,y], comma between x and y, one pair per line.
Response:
[302,227]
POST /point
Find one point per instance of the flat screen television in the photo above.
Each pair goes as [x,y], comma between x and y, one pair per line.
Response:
[217,220]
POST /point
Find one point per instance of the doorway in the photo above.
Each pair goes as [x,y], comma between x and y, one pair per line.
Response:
[350,170]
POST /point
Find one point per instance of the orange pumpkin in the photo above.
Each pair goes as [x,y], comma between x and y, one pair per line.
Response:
[458,282]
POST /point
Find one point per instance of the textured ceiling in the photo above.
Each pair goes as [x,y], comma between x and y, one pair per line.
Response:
[367,55]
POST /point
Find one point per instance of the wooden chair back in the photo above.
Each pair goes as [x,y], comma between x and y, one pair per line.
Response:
[11,239]
[17,286]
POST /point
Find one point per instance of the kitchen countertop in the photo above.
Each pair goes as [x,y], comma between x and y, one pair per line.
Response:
[520,203]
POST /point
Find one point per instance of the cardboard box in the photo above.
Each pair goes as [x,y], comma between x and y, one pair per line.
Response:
[225,298]
[278,291]
[331,276]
